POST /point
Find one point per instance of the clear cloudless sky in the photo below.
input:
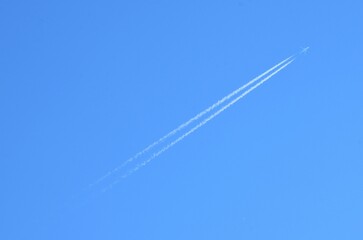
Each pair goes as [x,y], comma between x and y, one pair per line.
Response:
[86,84]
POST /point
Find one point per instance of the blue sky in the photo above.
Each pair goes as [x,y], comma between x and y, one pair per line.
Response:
[87,84]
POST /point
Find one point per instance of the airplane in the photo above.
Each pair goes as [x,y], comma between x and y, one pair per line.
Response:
[305,50]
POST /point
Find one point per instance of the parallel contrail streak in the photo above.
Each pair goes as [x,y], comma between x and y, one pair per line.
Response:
[193,119]
[203,122]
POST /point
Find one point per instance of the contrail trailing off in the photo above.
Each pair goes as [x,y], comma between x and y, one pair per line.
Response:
[203,122]
[191,120]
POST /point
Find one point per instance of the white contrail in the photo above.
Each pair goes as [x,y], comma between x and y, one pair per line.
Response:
[187,123]
[202,123]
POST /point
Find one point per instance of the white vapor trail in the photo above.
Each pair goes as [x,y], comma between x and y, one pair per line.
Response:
[202,123]
[191,120]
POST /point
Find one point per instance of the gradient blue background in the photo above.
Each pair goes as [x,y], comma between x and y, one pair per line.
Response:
[86,84]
